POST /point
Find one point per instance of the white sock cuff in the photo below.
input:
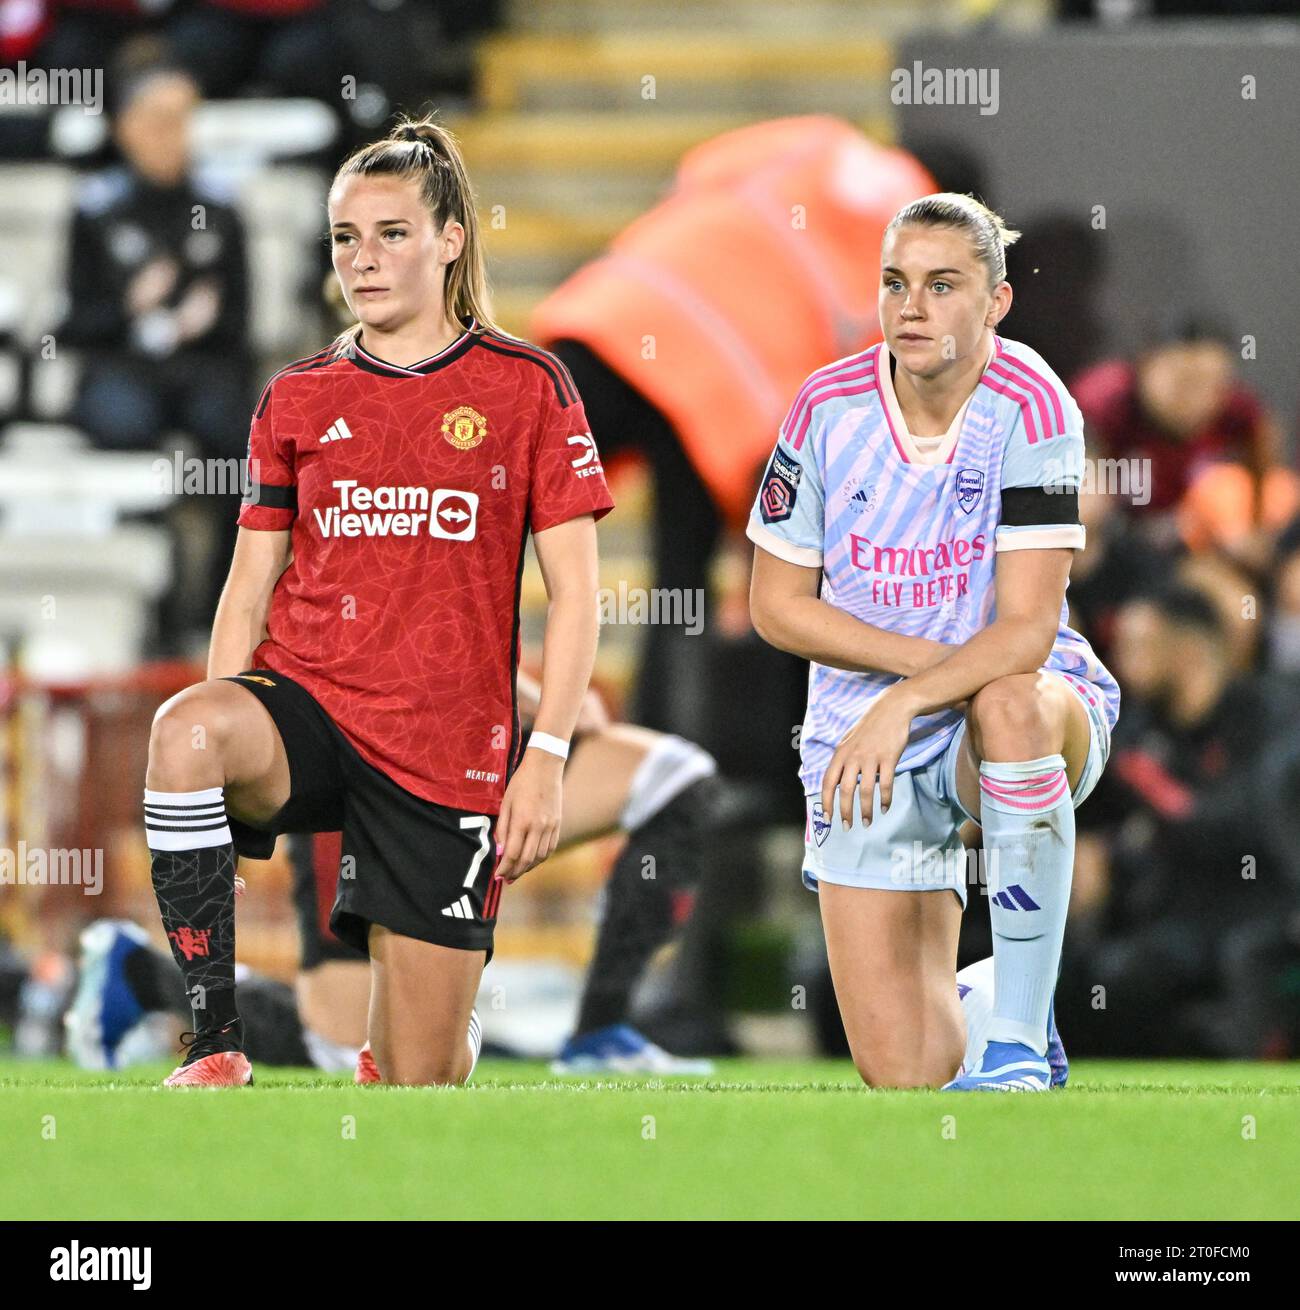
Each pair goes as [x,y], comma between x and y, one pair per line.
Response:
[475,1038]
[208,796]
[185,820]
[670,766]
[1018,770]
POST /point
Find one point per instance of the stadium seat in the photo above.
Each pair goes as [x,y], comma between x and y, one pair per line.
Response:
[248,132]
[76,583]
[284,211]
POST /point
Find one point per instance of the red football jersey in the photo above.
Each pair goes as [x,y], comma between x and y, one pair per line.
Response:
[411,493]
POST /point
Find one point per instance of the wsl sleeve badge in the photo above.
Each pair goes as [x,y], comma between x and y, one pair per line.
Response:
[780,488]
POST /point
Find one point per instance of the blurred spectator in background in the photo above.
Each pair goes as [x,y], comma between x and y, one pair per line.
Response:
[1284,617]
[362,58]
[159,303]
[690,338]
[24,24]
[87,33]
[1116,564]
[1239,599]
[1229,510]
[1180,408]
[1129,11]
[282,47]
[1198,808]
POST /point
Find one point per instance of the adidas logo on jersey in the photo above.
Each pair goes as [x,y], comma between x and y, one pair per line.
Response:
[460,909]
[338,431]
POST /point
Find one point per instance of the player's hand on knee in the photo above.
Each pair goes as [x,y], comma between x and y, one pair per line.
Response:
[528,828]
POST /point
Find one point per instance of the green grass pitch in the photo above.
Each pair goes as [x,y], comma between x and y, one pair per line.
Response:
[762,1139]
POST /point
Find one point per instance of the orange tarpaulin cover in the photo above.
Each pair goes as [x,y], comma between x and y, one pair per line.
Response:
[761,265]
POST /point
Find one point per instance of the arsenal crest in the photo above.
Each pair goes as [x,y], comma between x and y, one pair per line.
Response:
[821,824]
[970,483]
[464,427]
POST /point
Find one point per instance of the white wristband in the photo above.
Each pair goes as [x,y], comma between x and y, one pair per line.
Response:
[545,742]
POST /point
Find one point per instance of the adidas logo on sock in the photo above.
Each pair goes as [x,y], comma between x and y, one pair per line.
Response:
[460,909]
[1016,898]
[338,430]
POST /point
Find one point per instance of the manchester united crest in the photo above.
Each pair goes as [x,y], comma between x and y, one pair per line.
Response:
[464,427]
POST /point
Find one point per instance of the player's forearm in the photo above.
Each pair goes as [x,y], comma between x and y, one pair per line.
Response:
[816,630]
[528,693]
[237,631]
[568,657]
[1007,646]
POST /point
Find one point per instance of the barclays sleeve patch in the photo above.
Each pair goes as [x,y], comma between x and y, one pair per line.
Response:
[780,488]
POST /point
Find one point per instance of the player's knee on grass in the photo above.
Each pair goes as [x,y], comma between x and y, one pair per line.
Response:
[930,1068]
[888,1074]
[416,1068]
[910,1050]
[884,1059]
[1009,718]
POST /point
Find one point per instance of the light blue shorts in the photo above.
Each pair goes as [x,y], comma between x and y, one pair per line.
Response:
[915,845]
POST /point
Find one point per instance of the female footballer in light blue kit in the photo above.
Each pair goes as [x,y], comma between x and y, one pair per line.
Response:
[915,529]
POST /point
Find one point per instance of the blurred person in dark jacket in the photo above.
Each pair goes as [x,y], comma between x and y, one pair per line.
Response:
[285,47]
[158,298]
[1198,869]
[88,33]
[1115,565]
[1180,407]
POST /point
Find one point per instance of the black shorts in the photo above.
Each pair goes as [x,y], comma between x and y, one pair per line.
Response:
[314,860]
[412,866]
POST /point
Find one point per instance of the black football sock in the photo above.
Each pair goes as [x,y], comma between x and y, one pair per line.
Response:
[193,864]
[647,896]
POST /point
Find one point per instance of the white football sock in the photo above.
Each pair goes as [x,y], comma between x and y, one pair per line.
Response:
[475,1042]
[1028,821]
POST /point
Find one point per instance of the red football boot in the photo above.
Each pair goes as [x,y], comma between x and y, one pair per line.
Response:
[212,1060]
[367,1069]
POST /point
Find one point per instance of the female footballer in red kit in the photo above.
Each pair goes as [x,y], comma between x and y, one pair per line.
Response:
[361,674]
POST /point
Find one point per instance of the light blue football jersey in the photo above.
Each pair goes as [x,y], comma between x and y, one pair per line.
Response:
[907,530]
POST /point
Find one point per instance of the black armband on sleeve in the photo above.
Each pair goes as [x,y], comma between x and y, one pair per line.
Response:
[269,496]
[1025,507]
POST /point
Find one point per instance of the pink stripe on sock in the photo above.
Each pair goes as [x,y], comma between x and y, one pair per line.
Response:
[1035,800]
[1002,785]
